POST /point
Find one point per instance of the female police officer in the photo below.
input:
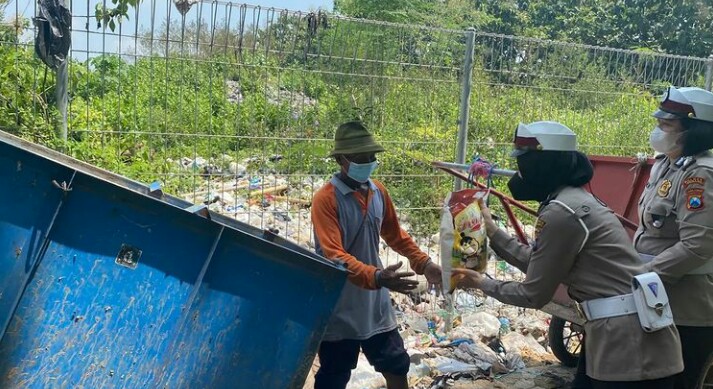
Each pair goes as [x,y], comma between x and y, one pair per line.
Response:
[676,225]
[581,243]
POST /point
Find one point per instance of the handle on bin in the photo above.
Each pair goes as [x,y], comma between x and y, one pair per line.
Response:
[199,209]
[155,190]
[270,234]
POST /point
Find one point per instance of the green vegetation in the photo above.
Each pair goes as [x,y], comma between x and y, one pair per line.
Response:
[283,89]
[683,27]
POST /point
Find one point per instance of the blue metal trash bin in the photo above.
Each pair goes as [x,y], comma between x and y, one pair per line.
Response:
[104,283]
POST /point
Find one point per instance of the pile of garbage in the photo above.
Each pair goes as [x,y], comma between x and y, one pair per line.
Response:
[490,344]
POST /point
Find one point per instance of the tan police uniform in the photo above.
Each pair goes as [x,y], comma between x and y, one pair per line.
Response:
[581,243]
[676,226]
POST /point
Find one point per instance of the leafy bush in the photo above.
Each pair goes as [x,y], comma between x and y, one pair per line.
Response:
[138,117]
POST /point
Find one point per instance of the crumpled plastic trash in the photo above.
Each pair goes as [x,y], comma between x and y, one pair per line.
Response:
[466,302]
[458,342]
[451,370]
[255,183]
[417,323]
[418,340]
[234,208]
[418,371]
[504,325]
[507,268]
[445,381]
[476,326]
[481,356]
[513,361]
[515,341]
[447,365]
[365,377]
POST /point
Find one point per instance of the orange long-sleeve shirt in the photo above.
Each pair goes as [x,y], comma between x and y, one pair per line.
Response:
[325,219]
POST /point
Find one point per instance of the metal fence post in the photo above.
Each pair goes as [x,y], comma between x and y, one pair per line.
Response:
[62,98]
[709,73]
[461,147]
[462,142]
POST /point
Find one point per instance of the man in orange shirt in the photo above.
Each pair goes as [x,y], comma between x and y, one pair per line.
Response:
[350,214]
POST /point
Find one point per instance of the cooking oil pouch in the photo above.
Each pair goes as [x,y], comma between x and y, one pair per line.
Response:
[463,239]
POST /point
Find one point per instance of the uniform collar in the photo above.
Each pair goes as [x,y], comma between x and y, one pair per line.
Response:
[551,197]
[682,162]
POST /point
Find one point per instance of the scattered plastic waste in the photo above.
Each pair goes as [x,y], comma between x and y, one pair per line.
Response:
[479,347]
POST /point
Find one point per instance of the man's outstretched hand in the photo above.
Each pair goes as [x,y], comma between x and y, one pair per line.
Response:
[432,272]
[392,279]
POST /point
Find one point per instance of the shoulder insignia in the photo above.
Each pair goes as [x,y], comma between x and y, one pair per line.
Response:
[694,199]
[688,162]
[694,181]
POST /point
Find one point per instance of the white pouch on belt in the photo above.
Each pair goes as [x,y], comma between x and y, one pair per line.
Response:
[651,302]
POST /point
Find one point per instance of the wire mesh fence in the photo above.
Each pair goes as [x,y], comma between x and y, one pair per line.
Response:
[236,105]
[605,95]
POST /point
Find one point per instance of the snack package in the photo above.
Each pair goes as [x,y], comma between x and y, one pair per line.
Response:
[463,239]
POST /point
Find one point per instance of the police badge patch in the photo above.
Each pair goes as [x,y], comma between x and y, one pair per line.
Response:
[664,188]
[539,224]
[694,199]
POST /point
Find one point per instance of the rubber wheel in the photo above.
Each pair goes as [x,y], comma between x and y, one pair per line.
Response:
[565,340]
[706,379]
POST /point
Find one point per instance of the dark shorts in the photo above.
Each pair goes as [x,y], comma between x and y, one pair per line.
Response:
[384,351]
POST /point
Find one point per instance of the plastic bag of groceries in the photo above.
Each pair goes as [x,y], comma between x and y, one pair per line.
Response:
[463,241]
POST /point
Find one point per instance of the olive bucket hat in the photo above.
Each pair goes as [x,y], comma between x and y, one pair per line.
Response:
[353,138]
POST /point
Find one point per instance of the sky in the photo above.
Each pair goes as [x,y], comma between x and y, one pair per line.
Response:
[90,44]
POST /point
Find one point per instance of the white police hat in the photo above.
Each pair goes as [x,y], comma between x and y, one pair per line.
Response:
[690,102]
[543,136]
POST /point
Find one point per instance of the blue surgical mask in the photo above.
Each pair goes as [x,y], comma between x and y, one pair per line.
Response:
[361,172]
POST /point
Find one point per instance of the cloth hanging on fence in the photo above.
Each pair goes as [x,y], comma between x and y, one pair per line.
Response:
[54,35]
[480,168]
[183,6]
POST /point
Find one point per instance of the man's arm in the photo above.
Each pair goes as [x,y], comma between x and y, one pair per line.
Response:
[398,239]
[328,233]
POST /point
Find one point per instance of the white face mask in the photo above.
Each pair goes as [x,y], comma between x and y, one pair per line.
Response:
[665,142]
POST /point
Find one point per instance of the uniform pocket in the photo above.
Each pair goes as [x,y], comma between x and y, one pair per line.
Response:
[646,191]
[660,218]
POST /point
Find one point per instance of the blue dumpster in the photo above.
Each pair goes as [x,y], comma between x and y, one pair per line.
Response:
[105,282]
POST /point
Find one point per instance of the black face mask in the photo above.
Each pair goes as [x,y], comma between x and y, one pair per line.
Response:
[524,191]
[543,172]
